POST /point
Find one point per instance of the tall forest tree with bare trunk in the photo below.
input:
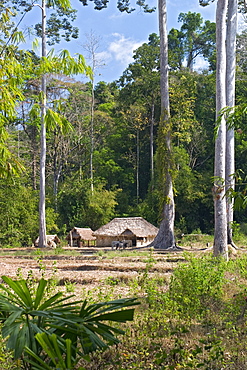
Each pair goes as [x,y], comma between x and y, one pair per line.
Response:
[64,64]
[220,222]
[230,102]
[42,218]
[226,25]
[91,46]
[165,238]
[226,30]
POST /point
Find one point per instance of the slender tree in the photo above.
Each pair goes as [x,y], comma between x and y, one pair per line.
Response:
[140,84]
[42,221]
[220,234]
[91,46]
[165,237]
[226,29]
[230,102]
[62,64]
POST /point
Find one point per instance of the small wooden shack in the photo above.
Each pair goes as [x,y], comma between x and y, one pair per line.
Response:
[81,237]
[50,239]
[136,229]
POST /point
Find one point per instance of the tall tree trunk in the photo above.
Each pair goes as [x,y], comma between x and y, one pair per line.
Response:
[220,234]
[57,171]
[230,102]
[34,146]
[92,135]
[42,219]
[91,46]
[137,166]
[165,238]
[152,143]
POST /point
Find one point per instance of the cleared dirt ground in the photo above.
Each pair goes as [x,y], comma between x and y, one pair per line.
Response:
[88,269]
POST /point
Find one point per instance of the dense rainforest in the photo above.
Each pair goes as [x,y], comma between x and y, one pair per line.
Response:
[102,156]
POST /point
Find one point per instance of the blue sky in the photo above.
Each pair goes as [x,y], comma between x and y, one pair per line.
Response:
[120,33]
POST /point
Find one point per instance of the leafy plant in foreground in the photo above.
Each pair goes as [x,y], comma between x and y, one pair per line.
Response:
[26,311]
[196,284]
[51,347]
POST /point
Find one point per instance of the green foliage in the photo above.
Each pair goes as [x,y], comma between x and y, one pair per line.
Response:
[6,358]
[126,116]
[78,206]
[12,74]
[240,266]
[19,217]
[27,310]
[192,322]
[101,207]
[192,189]
[202,355]
[52,349]
[204,329]
[122,5]
[196,38]
[59,22]
[149,207]
[59,26]
[196,284]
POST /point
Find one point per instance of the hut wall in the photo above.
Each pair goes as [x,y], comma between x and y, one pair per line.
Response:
[142,242]
[104,241]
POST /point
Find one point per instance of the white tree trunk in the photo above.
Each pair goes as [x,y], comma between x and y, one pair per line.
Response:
[91,46]
[42,219]
[230,102]
[165,238]
[92,136]
[220,235]
[152,144]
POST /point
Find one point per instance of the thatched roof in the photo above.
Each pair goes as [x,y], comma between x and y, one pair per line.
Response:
[119,226]
[85,233]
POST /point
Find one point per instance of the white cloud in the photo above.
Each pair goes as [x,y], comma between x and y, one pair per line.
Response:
[200,63]
[117,15]
[104,56]
[122,48]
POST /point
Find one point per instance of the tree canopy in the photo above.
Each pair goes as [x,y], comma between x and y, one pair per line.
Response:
[126,175]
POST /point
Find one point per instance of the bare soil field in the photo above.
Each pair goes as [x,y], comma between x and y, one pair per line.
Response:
[86,269]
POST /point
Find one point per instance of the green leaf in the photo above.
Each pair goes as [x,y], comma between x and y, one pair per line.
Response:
[54,119]
[21,289]
[119,316]
[40,292]
[35,44]
[35,364]
[13,317]
[49,302]
[21,341]
[50,346]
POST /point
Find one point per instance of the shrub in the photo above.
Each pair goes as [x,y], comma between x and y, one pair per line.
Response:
[196,284]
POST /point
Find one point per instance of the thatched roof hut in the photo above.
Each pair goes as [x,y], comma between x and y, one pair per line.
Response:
[49,239]
[136,229]
[80,237]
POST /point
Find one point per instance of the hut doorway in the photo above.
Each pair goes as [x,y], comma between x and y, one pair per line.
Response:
[129,235]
